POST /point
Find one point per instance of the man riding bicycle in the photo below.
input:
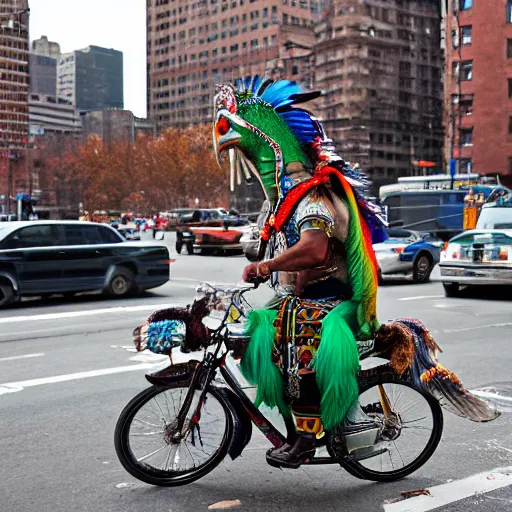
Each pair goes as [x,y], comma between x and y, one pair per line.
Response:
[318,257]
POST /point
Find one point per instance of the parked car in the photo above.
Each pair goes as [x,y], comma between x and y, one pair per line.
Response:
[208,240]
[495,217]
[214,217]
[475,258]
[251,238]
[67,257]
[250,242]
[408,253]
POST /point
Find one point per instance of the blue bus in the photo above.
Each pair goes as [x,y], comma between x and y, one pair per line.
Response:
[433,204]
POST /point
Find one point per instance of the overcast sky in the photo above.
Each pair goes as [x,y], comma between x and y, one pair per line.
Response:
[118,24]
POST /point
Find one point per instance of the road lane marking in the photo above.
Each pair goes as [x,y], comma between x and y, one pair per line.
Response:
[457,490]
[102,311]
[493,396]
[11,387]
[27,356]
[467,329]
[421,297]
[86,312]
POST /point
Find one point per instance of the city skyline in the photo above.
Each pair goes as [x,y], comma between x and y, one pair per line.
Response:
[78,28]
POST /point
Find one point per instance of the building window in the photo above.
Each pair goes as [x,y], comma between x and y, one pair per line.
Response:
[510,164]
[466,104]
[510,125]
[509,11]
[465,165]
[465,33]
[464,68]
[466,136]
[464,4]
[509,87]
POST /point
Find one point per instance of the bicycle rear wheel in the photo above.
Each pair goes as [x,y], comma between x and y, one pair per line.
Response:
[150,447]
[411,428]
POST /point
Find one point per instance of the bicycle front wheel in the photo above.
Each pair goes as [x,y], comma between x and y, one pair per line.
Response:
[150,447]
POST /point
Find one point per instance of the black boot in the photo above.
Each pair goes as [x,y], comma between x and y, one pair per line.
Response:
[292,456]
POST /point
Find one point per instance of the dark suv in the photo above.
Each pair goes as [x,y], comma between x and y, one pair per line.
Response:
[50,257]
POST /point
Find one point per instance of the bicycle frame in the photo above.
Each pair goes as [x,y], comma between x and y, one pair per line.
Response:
[202,377]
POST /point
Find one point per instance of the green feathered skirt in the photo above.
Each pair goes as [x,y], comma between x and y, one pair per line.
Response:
[303,358]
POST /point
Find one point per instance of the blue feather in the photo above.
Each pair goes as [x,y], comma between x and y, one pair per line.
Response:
[279,93]
[302,124]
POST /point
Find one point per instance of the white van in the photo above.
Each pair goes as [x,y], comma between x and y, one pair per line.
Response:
[495,217]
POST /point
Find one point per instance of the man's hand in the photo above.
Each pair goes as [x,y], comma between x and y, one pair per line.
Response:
[250,273]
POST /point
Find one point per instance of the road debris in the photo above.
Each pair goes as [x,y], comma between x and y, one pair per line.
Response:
[405,495]
[225,505]
[124,485]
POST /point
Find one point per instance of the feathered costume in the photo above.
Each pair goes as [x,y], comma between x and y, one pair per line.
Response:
[263,130]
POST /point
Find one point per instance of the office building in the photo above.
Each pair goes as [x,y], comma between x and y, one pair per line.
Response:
[46,48]
[51,114]
[115,125]
[43,74]
[92,78]
[194,45]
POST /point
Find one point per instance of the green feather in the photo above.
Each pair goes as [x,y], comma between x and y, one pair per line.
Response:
[337,364]
[257,366]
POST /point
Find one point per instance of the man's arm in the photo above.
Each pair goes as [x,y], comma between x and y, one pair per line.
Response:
[310,252]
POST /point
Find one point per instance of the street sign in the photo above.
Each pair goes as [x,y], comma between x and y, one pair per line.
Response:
[453,166]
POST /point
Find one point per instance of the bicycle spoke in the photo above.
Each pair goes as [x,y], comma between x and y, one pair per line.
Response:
[149,439]
[406,433]
[146,422]
[151,454]
[148,433]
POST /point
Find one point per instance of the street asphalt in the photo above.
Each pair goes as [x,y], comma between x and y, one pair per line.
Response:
[67,368]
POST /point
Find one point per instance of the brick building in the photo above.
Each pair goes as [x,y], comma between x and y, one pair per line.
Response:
[193,45]
[478,90]
[380,66]
[14,84]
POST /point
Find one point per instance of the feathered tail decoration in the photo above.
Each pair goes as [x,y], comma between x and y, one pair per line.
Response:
[410,346]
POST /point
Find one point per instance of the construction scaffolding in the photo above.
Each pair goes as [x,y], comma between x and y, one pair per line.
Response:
[380,65]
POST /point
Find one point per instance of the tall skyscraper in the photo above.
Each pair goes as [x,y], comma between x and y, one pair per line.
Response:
[380,66]
[92,78]
[193,45]
[14,83]
[478,92]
